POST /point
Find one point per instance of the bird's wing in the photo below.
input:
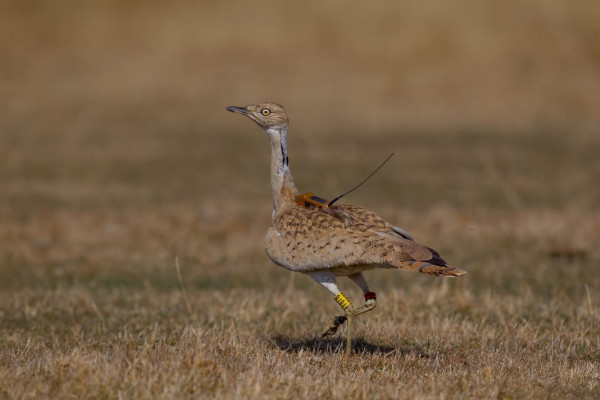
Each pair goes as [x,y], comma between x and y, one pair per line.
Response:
[365,219]
[397,249]
[301,239]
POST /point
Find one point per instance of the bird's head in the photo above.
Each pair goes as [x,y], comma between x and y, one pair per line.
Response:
[266,115]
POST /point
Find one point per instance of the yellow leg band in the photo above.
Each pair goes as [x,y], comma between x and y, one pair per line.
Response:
[342,300]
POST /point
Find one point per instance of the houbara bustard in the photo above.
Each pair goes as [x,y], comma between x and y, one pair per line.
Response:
[323,240]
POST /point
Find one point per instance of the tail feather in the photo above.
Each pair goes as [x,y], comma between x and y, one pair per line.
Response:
[431,269]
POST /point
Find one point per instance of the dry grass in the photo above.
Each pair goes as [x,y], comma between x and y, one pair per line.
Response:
[117,157]
[91,305]
[368,66]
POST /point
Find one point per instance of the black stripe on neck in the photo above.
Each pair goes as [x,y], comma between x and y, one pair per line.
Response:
[284,156]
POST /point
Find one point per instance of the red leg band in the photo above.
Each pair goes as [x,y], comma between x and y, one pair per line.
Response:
[370,295]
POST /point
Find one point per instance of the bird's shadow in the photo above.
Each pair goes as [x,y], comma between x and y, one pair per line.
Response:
[337,345]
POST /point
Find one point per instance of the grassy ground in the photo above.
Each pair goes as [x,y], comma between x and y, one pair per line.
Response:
[117,157]
[91,305]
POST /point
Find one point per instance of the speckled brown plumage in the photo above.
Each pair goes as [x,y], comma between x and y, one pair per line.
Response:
[325,242]
[302,240]
[342,238]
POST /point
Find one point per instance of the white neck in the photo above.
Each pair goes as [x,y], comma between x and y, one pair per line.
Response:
[282,182]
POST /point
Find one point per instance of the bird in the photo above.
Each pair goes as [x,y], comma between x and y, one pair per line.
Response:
[310,236]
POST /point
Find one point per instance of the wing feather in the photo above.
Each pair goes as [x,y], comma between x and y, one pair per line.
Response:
[302,239]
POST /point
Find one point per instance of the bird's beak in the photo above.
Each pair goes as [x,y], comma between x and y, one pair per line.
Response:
[239,110]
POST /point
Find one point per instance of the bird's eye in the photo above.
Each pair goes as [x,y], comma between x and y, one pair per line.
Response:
[265,111]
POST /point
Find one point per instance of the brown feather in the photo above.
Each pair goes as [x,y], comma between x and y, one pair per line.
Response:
[344,239]
[346,236]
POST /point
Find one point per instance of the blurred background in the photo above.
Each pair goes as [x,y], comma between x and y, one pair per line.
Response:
[336,66]
[116,149]
[117,156]
[339,65]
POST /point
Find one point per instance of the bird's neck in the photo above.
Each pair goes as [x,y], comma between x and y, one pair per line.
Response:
[282,182]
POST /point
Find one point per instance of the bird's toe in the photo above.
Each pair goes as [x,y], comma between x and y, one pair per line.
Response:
[334,325]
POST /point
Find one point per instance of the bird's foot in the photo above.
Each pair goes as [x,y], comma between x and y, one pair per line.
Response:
[368,306]
[334,325]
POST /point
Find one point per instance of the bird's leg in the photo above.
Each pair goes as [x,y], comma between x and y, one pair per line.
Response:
[347,306]
[331,329]
[370,303]
[370,297]
[327,280]
[350,314]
